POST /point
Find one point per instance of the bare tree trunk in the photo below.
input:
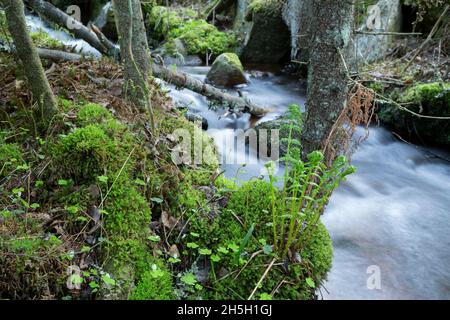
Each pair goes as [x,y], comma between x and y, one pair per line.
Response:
[330,33]
[134,50]
[28,54]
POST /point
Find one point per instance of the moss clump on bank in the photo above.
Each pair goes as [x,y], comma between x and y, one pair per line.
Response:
[233,244]
[155,284]
[431,99]
[198,36]
[101,170]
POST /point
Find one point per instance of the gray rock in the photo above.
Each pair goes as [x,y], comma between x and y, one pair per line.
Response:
[370,48]
[277,124]
[196,118]
[226,71]
[262,34]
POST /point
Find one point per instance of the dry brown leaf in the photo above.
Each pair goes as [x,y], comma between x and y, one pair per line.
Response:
[167,220]
[173,251]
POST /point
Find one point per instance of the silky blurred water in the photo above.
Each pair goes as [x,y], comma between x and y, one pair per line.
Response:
[394,213]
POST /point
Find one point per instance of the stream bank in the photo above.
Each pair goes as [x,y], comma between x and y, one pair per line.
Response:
[400,230]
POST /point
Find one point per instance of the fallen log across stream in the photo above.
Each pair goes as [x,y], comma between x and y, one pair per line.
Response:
[96,39]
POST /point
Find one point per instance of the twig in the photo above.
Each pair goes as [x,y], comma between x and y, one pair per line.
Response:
[430,36]
[117,177]
[385,33]
[262,278]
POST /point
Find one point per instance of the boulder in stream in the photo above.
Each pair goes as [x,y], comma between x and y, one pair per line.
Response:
[261,31]
[227,71]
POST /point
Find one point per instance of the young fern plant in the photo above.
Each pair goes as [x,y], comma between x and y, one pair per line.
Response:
[307,186]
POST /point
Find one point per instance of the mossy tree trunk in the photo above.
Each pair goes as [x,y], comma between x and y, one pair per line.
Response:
[135,52]
[331,24]
[29,57]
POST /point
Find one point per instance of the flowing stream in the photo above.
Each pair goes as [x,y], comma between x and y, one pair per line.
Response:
[392,217]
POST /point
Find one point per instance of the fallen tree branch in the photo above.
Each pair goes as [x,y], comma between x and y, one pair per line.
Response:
[184,80]
[385,33]
[49,12]
[99,41]
[50,54]
[58,55]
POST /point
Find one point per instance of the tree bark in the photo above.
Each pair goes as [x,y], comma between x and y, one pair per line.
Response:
[58,55]
[134,50]
[330,33]
[28,54]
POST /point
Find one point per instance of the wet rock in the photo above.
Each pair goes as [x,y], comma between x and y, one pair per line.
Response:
[196,118]
[226,71]
[262,33]
[282,124]
[370,48]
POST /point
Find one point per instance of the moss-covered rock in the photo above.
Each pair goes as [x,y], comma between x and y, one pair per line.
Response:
[287,124]
[431,99]
[226,71]
[197,35]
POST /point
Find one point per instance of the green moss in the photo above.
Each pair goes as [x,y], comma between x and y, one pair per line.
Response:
[10,156]
[85,153]
[431,99]
[127,212]
[265,6]
[201,37]
[43,40]
[92,114]
[155,284]
[66,105]
[252,203]
[101,146]
[162,20]
[433,94]
[233,59]
[198,35]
